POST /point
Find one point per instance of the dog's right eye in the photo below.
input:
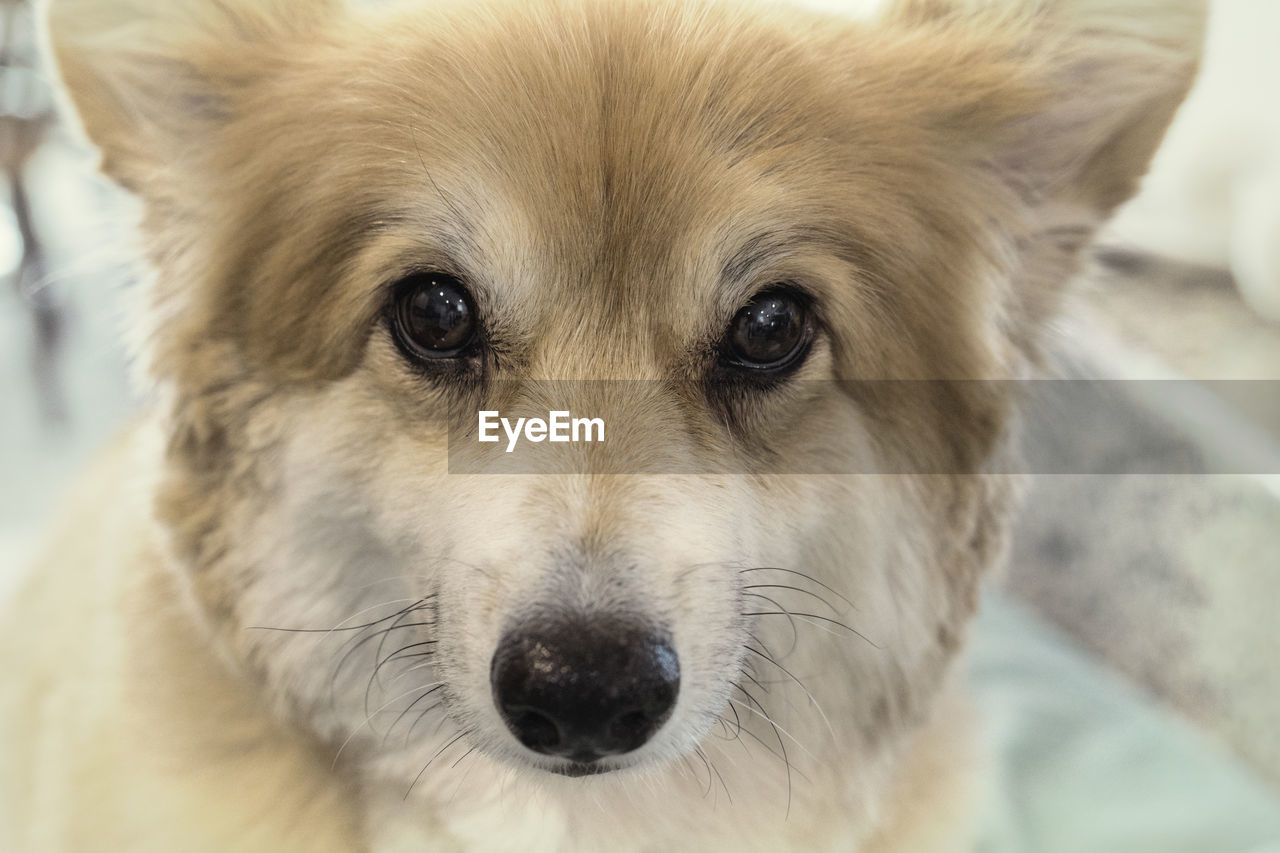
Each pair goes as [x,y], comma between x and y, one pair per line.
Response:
[432,316]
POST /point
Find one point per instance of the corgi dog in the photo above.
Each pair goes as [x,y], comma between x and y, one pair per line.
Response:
[293,608]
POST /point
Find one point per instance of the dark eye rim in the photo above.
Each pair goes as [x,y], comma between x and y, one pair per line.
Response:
[405,343]
[729,360]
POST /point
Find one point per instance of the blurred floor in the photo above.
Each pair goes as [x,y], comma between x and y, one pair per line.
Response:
[1172,579]
[43,446]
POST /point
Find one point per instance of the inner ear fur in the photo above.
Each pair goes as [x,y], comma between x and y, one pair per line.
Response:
[150,80]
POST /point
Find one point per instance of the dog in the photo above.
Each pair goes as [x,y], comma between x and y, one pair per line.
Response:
[295,607]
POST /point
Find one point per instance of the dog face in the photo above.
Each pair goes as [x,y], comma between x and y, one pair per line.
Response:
[742,234]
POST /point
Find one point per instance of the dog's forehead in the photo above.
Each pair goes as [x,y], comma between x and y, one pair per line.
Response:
[600,173]
[601,165]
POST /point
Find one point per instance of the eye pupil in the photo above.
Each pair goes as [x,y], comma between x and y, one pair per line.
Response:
[769,330]
[434,315]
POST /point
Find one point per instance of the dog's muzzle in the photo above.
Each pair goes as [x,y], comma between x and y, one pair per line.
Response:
[585,688]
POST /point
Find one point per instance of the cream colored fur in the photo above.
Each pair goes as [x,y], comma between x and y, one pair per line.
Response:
[615,180]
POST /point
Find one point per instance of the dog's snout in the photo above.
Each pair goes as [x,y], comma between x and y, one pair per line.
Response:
[584,689]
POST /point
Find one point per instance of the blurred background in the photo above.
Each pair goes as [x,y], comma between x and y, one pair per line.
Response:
[1128,661]
[63,381]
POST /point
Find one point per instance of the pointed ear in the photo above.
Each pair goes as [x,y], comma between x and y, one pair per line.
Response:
[1051,110]
[149,80]
[1102,78]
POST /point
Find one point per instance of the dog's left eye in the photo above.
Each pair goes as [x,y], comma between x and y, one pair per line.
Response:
[771,333]
[433,316]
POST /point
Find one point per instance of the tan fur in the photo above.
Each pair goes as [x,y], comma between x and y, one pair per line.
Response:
[614,180]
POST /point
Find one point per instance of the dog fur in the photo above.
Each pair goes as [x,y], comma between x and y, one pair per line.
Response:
[615,180]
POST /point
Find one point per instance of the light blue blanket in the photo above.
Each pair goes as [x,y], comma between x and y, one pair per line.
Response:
[1086,763]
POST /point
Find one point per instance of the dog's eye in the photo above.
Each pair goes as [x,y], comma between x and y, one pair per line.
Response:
[433,316]
[769,333]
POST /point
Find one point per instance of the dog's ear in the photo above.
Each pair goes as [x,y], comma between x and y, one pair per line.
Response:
[1097,84]
[1062,103]
[149,80]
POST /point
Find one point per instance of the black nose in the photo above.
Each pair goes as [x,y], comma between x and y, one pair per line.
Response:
[584,689]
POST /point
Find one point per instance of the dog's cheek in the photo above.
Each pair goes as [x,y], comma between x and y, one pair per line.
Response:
[368,520]
[296,518]
[890,585]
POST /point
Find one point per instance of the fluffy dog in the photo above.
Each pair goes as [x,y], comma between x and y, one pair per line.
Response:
[288,612]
